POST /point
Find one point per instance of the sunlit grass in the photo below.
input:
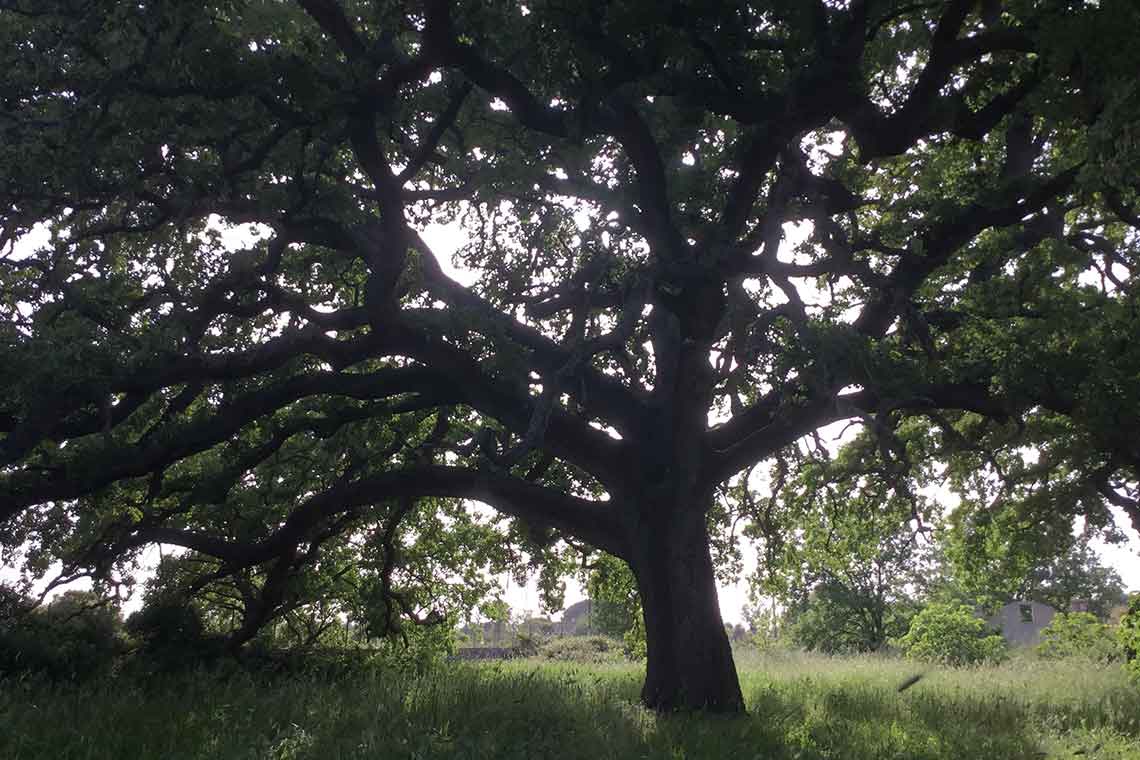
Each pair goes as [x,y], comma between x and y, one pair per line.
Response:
[799,707]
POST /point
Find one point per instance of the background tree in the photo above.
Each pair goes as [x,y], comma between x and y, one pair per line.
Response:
[1065,571]
[845,543]
[1077,575]
[635,335]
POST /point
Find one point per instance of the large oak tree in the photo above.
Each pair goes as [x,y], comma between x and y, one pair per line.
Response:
[641,329]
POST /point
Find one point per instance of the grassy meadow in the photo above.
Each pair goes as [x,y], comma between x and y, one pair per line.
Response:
[800,706]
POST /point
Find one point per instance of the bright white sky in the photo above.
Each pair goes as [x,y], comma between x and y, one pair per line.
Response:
[445,241]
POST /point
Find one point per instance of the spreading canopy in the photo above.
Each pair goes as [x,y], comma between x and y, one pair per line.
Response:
[696,233]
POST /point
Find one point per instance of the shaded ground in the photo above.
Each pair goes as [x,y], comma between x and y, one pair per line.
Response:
[800,707]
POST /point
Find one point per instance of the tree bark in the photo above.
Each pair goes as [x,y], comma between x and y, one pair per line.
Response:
[689,660]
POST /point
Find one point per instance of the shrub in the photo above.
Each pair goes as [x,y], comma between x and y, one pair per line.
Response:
[587,649]
[76,635]
[171,635]
[951,635]
[527,645]
[416,648]
[1128,637]
[1078,635]
[166,622]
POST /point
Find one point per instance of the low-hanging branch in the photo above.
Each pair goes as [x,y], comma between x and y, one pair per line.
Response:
[694,237]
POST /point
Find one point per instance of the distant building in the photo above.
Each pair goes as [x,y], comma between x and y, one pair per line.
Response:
[576,619]
[1021,621]
[493,636]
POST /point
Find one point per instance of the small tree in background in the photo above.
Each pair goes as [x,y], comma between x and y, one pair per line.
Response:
[951,635]
[836,620]
[1075,574]
[1078,634]
[764,620]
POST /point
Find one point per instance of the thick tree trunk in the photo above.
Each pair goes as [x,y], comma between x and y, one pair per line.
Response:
[690,662]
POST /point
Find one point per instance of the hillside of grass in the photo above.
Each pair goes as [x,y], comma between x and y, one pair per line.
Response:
[799,706]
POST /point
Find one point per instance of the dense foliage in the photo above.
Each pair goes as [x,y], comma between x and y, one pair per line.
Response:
[1128,636]
[833,621]
[951,635]
[75,636]
[1078,635]
[690,238]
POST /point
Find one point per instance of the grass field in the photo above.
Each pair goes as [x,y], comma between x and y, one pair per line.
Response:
[799,707]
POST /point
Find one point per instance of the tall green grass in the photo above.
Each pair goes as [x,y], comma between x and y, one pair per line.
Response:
[799,707]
